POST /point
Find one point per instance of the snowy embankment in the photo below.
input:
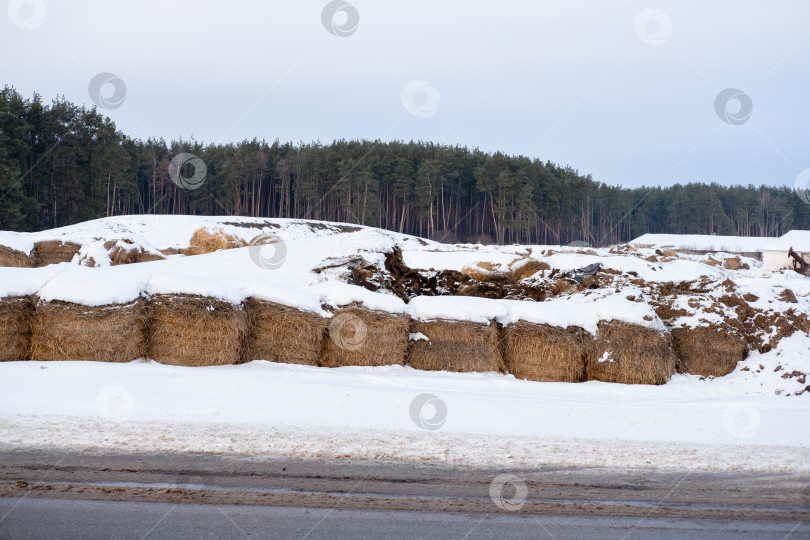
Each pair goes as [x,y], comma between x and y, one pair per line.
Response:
[262,408]
[751,419]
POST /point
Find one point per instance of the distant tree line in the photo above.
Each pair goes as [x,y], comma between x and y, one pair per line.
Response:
[62,164]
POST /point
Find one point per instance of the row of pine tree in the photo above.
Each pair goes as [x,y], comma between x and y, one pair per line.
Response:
[61,164]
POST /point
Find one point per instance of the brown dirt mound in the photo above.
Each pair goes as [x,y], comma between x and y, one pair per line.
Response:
[207,241]
[67,331]
[359,337]
[539,352]
[14,258]
[15,327]
[284,334]
[53,252]
[459,346]
[630,354]
[188,330]
[708,351]
[408,283]
[787,296]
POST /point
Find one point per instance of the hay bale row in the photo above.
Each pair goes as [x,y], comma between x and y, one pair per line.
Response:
[43,254]
[195,331]
[15,327]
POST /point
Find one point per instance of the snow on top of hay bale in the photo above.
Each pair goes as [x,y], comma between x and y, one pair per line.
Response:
[189,284]
[25,281]
[455,346]
[630,354]
[582,311]
[93,287]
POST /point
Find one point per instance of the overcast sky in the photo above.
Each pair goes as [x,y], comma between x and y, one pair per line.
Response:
[625,91]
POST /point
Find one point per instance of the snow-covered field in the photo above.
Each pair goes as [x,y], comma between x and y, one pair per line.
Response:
[752,419]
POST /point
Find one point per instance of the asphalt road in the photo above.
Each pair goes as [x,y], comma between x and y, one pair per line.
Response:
[59,495]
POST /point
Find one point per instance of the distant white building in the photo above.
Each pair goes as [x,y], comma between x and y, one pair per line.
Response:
[775,253]
[772,251]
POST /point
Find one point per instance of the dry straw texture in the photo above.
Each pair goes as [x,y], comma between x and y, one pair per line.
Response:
[539,352]
[189,330]
[207,241]
[67,331]
[284,334]
[526,267]
[54,252]
[456,346]
[708,351]
[12,257]
[125,252]
[630,354]
[359,337]
[15,327]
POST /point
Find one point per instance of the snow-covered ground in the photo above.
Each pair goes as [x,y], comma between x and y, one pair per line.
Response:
[398,413]
[751,419]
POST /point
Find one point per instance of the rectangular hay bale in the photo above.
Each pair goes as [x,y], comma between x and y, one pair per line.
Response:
[284,334]
[68,331]
[14,258]
[540,352]
[191,330]
[360,337]
[459,346]
[16,313]
[708,351]
[53,252]
[630,354]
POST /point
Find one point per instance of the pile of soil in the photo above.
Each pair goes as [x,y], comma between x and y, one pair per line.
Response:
[407,283]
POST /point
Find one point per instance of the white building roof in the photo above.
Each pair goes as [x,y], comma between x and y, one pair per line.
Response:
[799,240]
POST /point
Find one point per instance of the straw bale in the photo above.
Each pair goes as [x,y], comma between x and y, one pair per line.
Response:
[12,257]
[526,267]
[630,354]
[16,313]
[190,330]
[360,337]
[129,255]
[459,346]
[708,350]
[540,352]
[284,334]
[54,252]
[209,240]
[68,331]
